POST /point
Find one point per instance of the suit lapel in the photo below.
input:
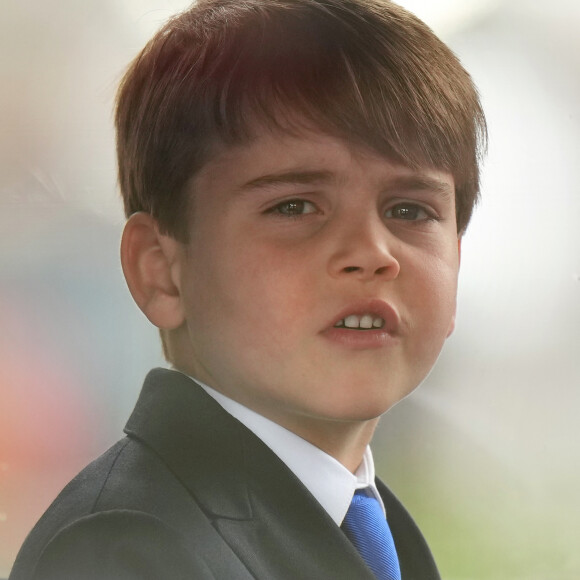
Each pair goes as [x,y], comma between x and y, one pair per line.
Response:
[193,435]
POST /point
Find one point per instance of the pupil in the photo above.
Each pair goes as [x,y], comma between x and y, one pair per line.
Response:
[407,212]
[293,207]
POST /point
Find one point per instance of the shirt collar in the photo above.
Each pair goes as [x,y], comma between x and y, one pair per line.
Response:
[326,479]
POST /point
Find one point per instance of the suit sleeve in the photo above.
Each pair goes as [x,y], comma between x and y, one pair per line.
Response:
[119,545]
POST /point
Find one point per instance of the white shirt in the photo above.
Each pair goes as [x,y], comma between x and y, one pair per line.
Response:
[332,484]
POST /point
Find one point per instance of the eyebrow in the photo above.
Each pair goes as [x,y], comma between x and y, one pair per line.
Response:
[288,178]
[421,182]
[402,183]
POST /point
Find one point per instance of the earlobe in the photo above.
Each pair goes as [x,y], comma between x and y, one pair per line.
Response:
[151,268]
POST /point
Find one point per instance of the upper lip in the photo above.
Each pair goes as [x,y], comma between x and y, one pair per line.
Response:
[376,308]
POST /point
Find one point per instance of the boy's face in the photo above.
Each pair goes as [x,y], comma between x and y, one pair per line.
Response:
[294,237]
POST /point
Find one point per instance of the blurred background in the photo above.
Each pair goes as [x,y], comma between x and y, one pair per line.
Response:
[486,454]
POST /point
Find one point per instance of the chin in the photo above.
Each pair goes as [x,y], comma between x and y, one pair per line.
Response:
[363,408]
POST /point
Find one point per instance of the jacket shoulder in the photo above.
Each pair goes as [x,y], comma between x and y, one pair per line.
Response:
[116,492]
[120,544]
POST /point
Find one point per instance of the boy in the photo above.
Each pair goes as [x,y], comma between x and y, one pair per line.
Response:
[297,175]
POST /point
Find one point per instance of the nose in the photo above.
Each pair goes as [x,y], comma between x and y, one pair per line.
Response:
[364,249]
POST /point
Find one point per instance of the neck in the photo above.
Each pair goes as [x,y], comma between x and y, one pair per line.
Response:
[345,441]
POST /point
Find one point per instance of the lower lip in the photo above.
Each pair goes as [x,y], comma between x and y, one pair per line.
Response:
[359,339]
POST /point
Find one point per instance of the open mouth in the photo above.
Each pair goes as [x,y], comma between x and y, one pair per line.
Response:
[364,322]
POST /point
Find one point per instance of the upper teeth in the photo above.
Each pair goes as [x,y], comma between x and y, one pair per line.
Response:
[365,321]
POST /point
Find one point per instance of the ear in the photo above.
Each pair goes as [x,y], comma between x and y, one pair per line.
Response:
[150,262]
[452,322]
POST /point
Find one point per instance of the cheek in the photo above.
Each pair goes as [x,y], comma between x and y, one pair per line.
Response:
[444,299]
[245,292]
[434,288]
[274,276]
[451,327]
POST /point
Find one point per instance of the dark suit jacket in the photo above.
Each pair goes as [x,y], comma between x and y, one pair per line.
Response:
[192,493]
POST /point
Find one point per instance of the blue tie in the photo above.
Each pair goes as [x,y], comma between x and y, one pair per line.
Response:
[366,527]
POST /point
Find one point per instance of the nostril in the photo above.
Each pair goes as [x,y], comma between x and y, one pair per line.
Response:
[351,268]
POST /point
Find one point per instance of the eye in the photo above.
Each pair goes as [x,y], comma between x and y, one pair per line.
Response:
[293,207]
[410,212]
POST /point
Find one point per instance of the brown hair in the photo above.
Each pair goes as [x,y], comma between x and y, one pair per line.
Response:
[366,70]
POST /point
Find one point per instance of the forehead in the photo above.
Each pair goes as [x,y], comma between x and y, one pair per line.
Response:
[305,154]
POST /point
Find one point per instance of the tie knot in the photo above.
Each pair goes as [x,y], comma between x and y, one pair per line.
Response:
[363,500]
[367,528]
